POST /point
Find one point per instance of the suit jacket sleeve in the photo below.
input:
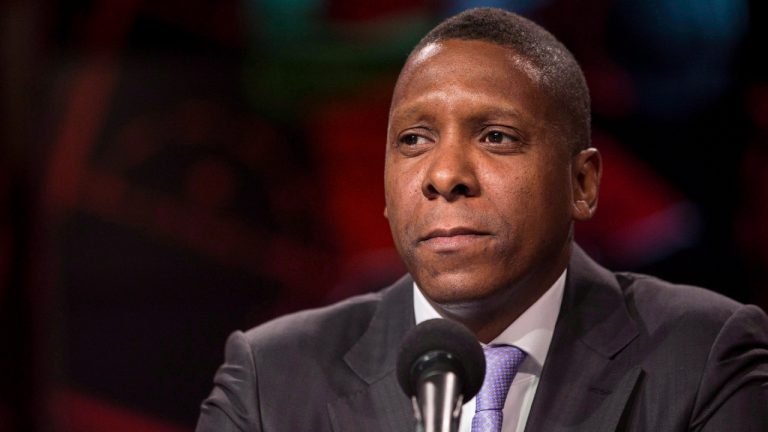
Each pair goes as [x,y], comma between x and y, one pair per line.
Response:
[733,394]
[231,404]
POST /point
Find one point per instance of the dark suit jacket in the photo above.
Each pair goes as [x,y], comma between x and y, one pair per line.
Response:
[629,353]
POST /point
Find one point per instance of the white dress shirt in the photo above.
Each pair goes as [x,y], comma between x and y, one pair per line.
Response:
[532,333]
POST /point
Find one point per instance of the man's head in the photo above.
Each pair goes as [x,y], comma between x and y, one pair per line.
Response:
[488,163]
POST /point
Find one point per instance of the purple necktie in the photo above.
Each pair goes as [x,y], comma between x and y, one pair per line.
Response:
[501,362]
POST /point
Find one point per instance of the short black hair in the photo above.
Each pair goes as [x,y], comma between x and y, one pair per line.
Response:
[559,73]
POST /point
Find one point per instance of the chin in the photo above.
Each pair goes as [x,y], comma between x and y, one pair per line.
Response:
[452,291]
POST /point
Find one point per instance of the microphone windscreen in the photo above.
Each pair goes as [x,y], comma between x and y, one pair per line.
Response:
[445,336]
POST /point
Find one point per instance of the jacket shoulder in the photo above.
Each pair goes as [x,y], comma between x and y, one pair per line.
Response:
[314,330]
[660,302]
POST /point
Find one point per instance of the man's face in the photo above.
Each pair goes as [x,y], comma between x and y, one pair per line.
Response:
[478,180]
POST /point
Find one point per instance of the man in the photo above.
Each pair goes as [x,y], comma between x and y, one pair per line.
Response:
[488,164]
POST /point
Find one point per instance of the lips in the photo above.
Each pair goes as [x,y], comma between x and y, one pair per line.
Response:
[452,232]
[452,239]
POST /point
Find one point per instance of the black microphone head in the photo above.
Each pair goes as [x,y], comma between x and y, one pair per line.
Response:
[441,336]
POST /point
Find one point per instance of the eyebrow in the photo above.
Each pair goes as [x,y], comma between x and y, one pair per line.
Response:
[417,110]
[497,113]
[413,110]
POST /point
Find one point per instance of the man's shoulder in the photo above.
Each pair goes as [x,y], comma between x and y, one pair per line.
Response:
[329,328]
[310,323]
[659,301]
[648,300]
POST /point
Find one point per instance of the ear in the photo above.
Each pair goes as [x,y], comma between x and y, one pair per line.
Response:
[586,170]
[386,214]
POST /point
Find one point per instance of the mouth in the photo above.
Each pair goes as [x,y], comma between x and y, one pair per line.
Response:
[452,239]
[452,232]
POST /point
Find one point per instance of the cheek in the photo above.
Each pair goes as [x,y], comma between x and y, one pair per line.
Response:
[401,186]
[401,194]
[551,203]
[528,201]
[509,192]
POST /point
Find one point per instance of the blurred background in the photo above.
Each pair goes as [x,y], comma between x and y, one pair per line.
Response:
[172,171]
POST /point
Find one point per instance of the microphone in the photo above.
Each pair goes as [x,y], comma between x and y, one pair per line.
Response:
[440,366]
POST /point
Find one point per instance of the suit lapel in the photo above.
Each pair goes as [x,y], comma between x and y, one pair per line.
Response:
[583,386]
[381,405]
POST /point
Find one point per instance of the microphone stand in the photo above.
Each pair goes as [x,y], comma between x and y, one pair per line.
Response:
[437,403]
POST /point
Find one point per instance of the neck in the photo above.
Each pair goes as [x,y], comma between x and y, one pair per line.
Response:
[488,317]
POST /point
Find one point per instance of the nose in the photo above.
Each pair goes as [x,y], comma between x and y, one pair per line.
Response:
[451,173]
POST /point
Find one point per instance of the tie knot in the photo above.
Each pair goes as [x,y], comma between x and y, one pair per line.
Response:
[501,362]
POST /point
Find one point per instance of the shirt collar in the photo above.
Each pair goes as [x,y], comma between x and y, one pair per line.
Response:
[531,332]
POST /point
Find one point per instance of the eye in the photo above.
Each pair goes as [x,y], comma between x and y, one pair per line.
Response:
[502,140]
[498,137]
[413,144]
[412,139]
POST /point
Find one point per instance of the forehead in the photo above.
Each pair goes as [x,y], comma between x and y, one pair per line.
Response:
[473,51]
[480,69]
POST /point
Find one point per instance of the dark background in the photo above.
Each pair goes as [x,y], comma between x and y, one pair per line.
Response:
[172,171]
